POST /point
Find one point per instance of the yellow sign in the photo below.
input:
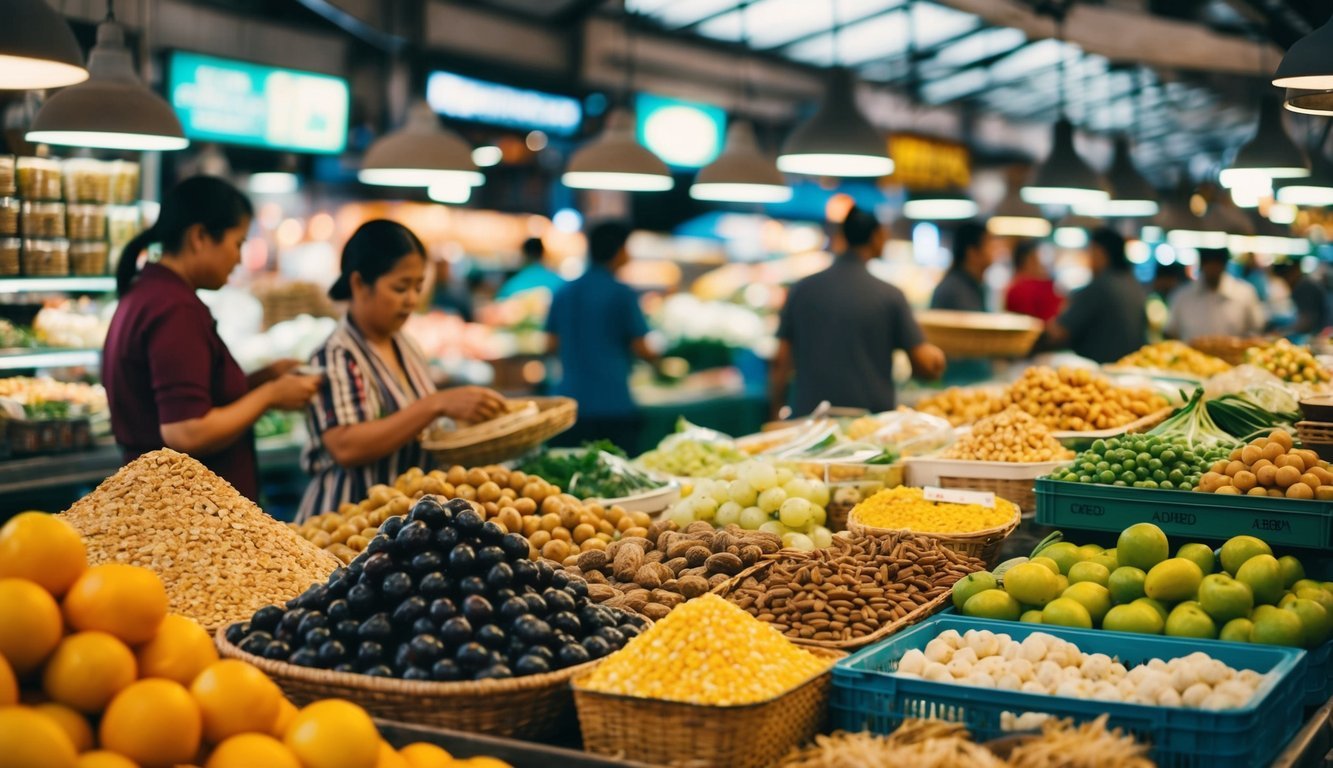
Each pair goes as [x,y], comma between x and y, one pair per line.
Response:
[923,164]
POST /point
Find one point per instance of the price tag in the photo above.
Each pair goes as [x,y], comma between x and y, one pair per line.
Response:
[954,496]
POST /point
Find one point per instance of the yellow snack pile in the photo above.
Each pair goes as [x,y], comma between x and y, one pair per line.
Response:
[1012,436]
[907,509]
[709,652]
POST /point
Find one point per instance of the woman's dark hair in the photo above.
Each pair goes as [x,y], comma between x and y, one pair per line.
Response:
[372,252]
[204,200]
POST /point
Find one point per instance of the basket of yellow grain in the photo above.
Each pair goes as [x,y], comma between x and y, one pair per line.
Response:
[976,529]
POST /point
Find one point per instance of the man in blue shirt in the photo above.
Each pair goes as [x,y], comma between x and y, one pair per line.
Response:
[534,274]
[597,327]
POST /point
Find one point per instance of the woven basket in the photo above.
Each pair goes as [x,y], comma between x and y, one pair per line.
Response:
[924,611]
[980,334]
[533,707]
[679,734]
[1317,436]
[505,437]
[984,544]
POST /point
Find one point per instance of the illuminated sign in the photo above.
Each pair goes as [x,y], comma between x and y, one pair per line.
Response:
[463,98]
[236,102]
[684,134]
[923,164]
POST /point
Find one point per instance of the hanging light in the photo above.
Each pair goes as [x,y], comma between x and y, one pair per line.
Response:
[37,48]
[1015,218]
[741,174]
[1065,179]
[1132,196]
[837,140]
[453,192]
[1309,102]
[1212,230]
[1315,191]
[616,161]
[1271,154]
[1269,238]
[112,109]
[420,154]
[947,205]
[1307,64]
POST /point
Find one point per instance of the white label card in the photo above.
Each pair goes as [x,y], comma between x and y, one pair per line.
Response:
[955,496]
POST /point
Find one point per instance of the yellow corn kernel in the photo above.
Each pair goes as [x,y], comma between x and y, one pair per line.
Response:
[906,509]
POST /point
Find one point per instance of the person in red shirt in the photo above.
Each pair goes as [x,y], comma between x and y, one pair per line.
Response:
[170,380]
[1032,291]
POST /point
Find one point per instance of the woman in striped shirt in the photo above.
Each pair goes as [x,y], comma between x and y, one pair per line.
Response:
[377,395]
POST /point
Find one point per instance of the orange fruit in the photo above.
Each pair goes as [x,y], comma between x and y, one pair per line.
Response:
[252,749]
[154,723]
[103,759]
[87,670]
[42,548]
[74,724]
[29,739]
[125,600]
[179,651]
[235,698]
[388,758]
[286,714]
[9,687]
[424,755]
[30,625]
[334,734]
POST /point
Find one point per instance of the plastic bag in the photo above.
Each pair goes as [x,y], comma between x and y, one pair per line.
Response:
[687,432]
[912,433]
[1258,385]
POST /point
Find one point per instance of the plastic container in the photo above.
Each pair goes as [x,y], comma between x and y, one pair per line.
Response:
[11,250]
[87,181]
[43,219]
[86,221]
[1014,481]
[9,216]
[124,182]
[89,258]
[1191,514]
[8,180]
[38,178]
[867,695]
[46,258]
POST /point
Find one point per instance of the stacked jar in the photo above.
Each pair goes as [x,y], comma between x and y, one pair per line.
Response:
[42,217]
[10,245]
[88,191]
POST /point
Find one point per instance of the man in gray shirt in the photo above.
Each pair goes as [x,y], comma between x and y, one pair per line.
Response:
[840,327]
[1107,319]
[962,287]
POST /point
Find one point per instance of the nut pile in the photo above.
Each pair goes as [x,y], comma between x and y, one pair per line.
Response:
[220,557]
[962,406]
[1012,436]
[556,524]
[652,575]
[1271,466]
[1079,400]
[852,589]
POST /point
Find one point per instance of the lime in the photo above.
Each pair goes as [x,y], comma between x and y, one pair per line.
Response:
[1188,620]
[993,604]
[1126,584]
[1049,563]
[1304,583]
[1315,620]
[1032,583]
[1092,596]
[1224,598]
[1107,558]
[970,585]
[1237,631]
[1134,617]
[1065,554]
[1087,571]
[1066,612]
[1239,549]
[1032,617]
[1089,550]
[1292,570]
[1319,596]
[1278,627]
[1264,576]
[1142,545]
[1173,580]
[1155,605]
[1200,554]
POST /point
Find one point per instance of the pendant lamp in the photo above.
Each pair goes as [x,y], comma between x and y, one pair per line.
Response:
[420,154]
[837,140]
[1212,230]
[741,174]
[1269,238]
[1015,218]
[1314,191]
[37,48]
[1308,65]
[1271,154]
[1065,179]
[947,205]
[1309,102]
[112,109]
[616,161]
[1132,196]
[450,192]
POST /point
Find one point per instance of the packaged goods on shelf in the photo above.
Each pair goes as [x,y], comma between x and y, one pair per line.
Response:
[86,222]
[8,181]
[39,178]
[45,258]
[9,216]
[43,219]
[220,556]
[11,250]
[89,181]
[71,325]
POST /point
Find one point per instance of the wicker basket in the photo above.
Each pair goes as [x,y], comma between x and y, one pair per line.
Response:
[980,334]
[1317,436]
[922,612]
[984,544]
[679,734]
[1229,348]
[533,707]
[1013,481]
[505,437]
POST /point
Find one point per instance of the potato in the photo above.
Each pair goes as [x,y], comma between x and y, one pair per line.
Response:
[1235,467]
[1267,475]
[1310,480]
[1251,454]
[1272,451]
[1300,491]
[1244,480]
[1228,490]
[1282,437]
[1287,476]
[1324,493]
[1257,491]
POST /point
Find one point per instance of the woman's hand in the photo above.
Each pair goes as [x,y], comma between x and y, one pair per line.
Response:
[272,372]
[469,404]
[291,392]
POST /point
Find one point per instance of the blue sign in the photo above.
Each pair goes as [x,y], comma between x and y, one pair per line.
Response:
[684,134]
[479,101]
[236,102]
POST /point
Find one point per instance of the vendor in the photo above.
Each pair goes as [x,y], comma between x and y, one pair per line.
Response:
[1215,304]
[377,396]
[170,379]
[1106,319]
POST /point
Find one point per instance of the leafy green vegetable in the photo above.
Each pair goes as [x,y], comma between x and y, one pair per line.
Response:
[597,470]
[1242,416]
[1193,426]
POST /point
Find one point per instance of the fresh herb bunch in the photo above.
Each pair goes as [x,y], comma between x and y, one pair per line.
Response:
[597,470]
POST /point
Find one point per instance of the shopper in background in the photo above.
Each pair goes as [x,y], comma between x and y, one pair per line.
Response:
[963,287]
[1032,291]
[1312,315]
[1246,267]
[1215,304]
[597,328]
[170,379]
[1165,280]
[534,274]
[449,298]
[1105,320]
[840,327]
[378,395]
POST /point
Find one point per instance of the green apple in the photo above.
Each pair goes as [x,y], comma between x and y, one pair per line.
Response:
[1065,554]
[1319,596]
[1224,598]
[1239,549]
[1279,627]
[1292,570]
[970,585]
[1126,584]
[1107,558]
[1188,620]
[1092,596]
[1200,554]
[1173,580]
[1264,576]
[1093,572]
[1237,631]
[1316,621]
[1142,545]
[1155,605]
[1135,617]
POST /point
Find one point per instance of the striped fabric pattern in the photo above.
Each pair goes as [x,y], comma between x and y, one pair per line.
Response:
[359,386]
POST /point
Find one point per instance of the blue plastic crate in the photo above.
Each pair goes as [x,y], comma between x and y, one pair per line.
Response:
[866,696]
[1319,675]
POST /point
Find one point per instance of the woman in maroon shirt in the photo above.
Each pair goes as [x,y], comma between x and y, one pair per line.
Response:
[170,379]
[1032,291]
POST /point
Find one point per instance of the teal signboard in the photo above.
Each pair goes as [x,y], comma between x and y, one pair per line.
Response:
[236,102]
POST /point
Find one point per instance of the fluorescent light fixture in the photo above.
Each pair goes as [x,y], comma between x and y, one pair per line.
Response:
[1071,237]
[37,48]
[1283,213]
[450,192]
[485,157]
[741,174]
[1251,195]
[837,140]
[940,206]
[273,183]
[1131,194]
[1269,154]
[616,161]
[112,109]
[1018,226]
[420,154]
[1316,191]
[1065,179]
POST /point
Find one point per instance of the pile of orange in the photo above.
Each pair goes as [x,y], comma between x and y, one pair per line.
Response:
[94,673]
